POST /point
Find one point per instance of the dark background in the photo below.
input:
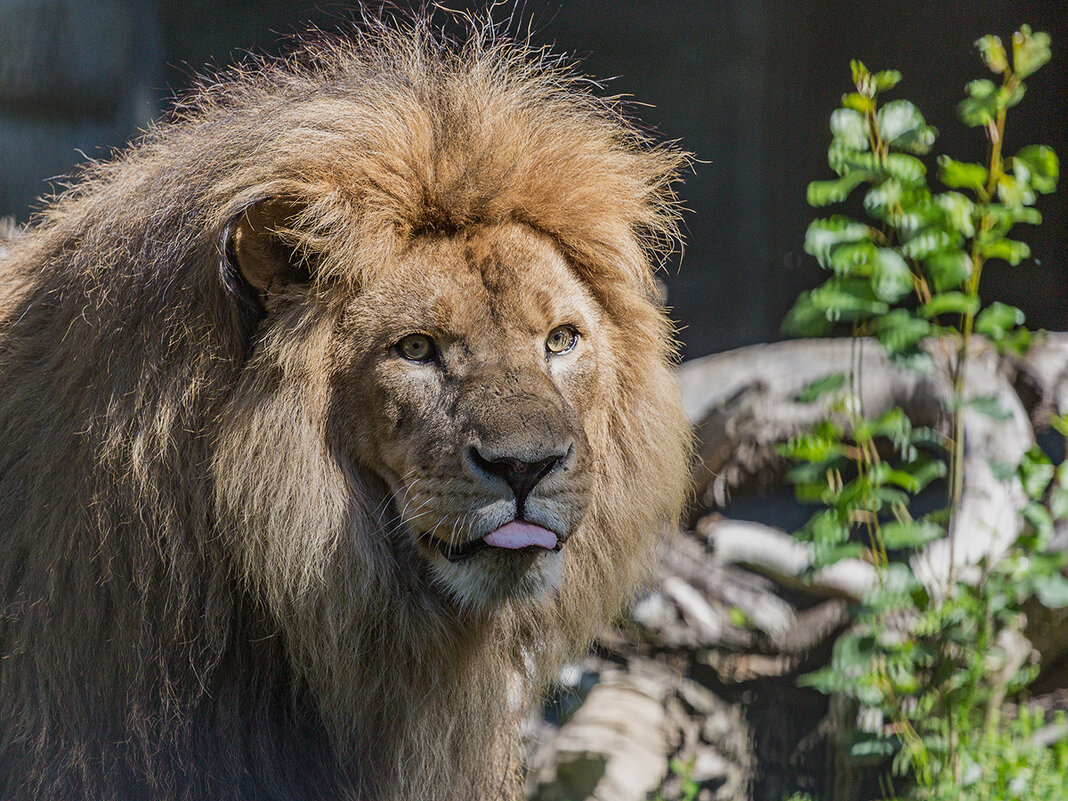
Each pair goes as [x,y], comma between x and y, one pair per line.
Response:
[746,86]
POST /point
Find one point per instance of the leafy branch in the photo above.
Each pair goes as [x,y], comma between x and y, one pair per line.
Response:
[908,275]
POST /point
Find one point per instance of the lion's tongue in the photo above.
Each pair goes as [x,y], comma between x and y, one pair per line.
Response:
[520,535]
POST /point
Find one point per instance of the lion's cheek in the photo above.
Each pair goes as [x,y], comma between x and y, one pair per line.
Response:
[391,423]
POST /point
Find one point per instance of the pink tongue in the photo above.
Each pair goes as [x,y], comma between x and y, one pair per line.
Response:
[520,535]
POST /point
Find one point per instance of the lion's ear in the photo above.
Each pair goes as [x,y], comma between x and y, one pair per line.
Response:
[261,245]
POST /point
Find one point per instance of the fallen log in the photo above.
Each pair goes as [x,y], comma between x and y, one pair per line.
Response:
[745,403]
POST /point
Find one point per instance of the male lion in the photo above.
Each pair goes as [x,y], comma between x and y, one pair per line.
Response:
[334,413]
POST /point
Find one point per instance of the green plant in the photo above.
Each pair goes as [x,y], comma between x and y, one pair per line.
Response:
[688,788]
[930,665]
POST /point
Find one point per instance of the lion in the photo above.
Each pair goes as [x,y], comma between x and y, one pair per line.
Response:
[336,412]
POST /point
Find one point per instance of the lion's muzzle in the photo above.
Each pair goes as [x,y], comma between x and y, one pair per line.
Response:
[520,474]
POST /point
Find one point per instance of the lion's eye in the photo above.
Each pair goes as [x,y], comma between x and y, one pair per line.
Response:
[416,348]
[561,339]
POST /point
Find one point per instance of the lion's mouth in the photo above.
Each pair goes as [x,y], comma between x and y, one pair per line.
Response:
[517,535]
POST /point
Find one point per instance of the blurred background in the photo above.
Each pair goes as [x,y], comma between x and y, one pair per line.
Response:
[747,86]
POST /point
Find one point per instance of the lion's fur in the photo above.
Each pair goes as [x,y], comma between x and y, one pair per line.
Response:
[198,597]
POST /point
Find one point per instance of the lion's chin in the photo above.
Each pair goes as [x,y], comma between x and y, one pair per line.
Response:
[492,577]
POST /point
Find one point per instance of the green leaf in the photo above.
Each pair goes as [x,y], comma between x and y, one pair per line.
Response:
[824,556]
[884,473]
[1059,422]
[809,473]
[918,212]
[927,437]
[846,299]
[826,680]
[897,590]
[825,529]
[1036,472]
[854,651]
[902,125]
[818,446]
[1029,51]
[1000,218]
[959,210]
[850,128]
[1003,471]
[949,303]
[844,160]
[927,242]
[989,406]
[812,492]
[885,80]
[884,198]
[888,496]
[1058,503]
[900,331]
[1016,341]
[893,424]
[823,235]
[914,361]
[815,390]
[981,106]
[905,168]
[918,142]
[1008,97]
[824,193]
[924,470]
[916,534]
[1052,591]
[1040,519]
[892,278]
[962,174]
[852,258]
[860,72]
[1043,165]
[1015,190]
[998,318]
[993,53]
[1023,214]
[948,270]
[903,479]
[1011,250]
[805,319]
[866,746]
[858,102]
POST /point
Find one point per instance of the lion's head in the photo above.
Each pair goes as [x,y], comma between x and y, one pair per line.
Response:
[473,379]
[467,380]
[364,407]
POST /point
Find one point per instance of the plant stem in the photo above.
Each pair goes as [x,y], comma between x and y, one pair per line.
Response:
[996,131]
[956,466]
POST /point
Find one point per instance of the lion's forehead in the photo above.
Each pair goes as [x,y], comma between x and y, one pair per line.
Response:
[504,282]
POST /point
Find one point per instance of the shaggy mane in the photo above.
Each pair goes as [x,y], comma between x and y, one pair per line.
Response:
[174,628]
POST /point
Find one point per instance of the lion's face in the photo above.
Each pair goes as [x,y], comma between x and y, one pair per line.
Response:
[468,379]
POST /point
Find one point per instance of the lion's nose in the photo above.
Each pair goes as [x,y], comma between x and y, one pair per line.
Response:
[519,474]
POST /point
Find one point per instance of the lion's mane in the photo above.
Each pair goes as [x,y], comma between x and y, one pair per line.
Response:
[187,615]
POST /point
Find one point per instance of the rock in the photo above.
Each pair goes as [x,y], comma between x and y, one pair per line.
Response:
[614,748]
[668,697]
[698,699]
[694,608]
[778,555]
[654,613]
[717,729]
[710,766]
